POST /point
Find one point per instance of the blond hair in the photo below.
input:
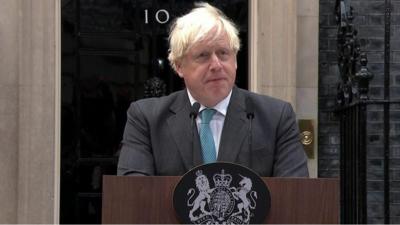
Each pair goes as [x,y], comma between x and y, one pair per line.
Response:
[195,26]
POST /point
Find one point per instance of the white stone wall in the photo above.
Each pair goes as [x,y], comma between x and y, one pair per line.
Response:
[9,105]
[307,70]
[29,111]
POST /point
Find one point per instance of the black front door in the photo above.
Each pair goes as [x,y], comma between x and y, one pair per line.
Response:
[115,52]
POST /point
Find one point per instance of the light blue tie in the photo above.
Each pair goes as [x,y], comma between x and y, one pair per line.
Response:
[206,137]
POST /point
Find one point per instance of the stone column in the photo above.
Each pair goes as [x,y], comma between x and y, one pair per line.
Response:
[30,111]
[9,105]
[273,46]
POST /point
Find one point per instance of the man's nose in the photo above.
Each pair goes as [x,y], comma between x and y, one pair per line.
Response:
[215,62]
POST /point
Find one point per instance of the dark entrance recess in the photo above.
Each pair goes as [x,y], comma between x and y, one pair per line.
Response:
[113,51]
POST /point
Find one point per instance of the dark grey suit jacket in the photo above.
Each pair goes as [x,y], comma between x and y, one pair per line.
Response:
[158,137]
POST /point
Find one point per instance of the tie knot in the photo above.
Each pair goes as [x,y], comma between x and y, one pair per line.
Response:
[206,115]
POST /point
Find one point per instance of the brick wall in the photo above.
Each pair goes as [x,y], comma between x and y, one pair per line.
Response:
[328,137]
[369,21]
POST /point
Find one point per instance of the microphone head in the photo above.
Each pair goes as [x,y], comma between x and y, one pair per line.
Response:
[249,108]
[194,110]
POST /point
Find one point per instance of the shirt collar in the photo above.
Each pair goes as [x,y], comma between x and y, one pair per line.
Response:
[221,107]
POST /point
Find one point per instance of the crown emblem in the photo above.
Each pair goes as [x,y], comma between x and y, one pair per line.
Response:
[222,179]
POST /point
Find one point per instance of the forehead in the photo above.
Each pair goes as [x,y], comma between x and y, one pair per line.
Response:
[210,40]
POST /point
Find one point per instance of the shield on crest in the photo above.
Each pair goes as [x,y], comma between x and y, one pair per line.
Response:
[221,193]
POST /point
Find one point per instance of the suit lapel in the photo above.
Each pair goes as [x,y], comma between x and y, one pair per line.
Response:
[235,129]
[180,127]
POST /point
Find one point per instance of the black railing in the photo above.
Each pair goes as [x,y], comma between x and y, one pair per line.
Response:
[353,105]
[353,163]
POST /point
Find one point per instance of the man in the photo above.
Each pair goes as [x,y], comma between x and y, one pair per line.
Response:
[159,137]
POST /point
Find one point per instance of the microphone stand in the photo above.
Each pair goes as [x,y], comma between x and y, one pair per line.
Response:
[250,116]
[193,115]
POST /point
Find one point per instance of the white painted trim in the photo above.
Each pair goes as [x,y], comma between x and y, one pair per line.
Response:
[253,24]
[57,110]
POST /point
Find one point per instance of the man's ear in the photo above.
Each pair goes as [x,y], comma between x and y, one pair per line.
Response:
[178,67]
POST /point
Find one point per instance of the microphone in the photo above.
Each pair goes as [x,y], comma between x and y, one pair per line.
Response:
[249,109]
[194,111]
[250,116]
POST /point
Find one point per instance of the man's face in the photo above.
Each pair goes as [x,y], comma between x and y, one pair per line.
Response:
[209,70]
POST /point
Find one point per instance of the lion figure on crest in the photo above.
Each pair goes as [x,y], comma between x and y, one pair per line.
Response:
[245,205]
[204,197]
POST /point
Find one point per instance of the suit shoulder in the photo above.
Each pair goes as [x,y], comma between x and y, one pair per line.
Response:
[156,104]
[268,108]
[158,100]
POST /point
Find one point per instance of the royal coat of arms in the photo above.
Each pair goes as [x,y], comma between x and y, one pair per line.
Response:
[222,203]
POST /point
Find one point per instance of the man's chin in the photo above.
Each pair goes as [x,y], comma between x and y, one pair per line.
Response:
[216,96]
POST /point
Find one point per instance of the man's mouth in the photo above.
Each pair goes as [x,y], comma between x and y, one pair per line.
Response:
[215,79]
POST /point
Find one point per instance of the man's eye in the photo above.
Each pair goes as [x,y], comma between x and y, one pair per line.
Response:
[203,55]
[223,54]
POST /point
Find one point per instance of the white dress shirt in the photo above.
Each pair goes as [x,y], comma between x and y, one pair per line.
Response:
[217,122]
